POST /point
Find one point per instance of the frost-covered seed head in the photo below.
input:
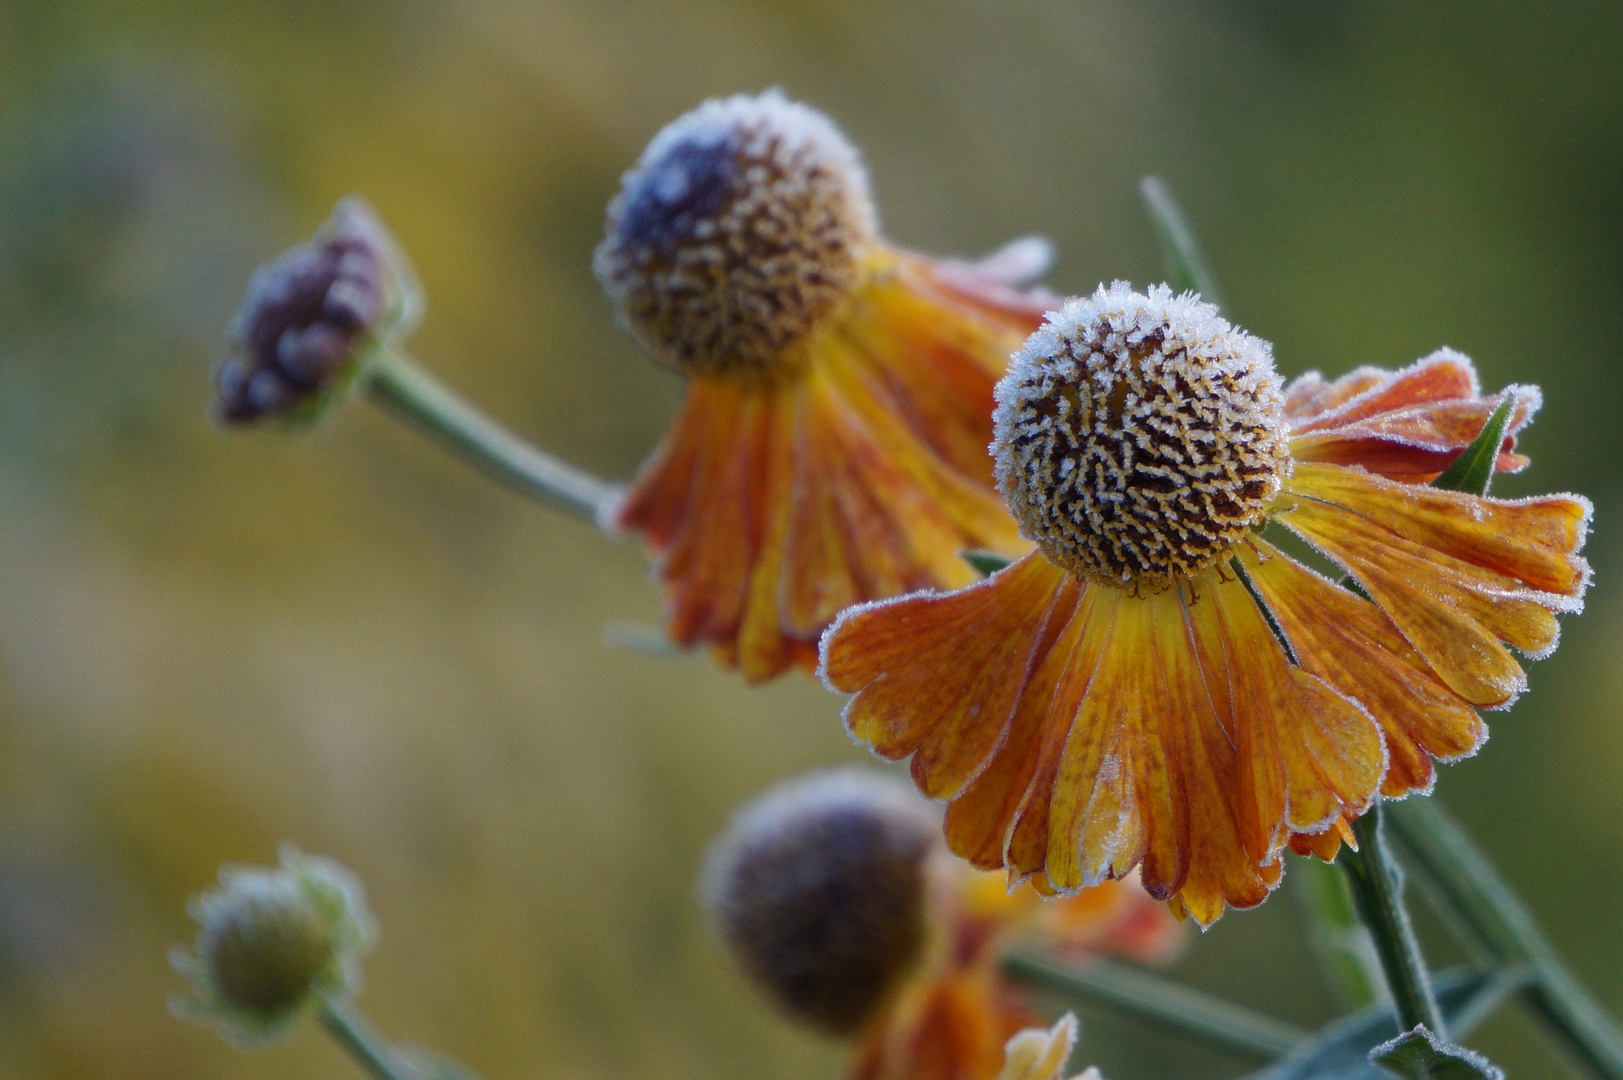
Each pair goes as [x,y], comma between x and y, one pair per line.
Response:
[272,944]
[741,227]
[820,889]
[1139,437]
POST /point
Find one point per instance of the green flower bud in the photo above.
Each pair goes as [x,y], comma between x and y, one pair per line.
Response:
[273,946]
[820,888]
[311,315]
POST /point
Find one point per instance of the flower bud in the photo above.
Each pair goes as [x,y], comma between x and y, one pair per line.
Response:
[820,889]
[310,314]
[273,945]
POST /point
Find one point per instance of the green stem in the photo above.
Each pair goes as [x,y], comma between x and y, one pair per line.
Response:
[1209,1019]
[1469,892]
[402,384]
[1377,892]
[1179,249]
[1339,940]
[365,1045]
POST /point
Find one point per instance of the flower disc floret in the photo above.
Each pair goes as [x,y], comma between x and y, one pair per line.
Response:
[742,226]
[1138,438]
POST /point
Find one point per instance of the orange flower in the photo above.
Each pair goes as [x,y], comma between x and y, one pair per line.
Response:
[1123,696]
[837,898]
[952,1019]
[831,447]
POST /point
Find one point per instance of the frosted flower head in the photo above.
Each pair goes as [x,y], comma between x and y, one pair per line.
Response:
[1138,438]
[273,945]
[309,314]
[741,227]
[820,888]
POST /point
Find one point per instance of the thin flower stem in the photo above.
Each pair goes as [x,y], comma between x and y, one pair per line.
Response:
[405,386]
[1179,249]
[1339,940]
[365,1045]
[1377,892]
[1466,888]
[1209,1019]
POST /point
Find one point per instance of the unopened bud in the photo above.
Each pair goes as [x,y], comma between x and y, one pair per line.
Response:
[273,945]
[310,314]
[820,889]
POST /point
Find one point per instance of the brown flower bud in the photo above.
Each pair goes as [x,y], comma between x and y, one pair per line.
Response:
[308,316]
[820,889]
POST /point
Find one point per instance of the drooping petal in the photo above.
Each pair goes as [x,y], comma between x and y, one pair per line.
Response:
[858,473]
[1346,641]
[939,675]
[1307,753]
[1458,575]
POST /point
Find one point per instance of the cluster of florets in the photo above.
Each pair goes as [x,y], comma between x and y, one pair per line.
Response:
[307,316]
[1138,438]
[742,226]
[274,945]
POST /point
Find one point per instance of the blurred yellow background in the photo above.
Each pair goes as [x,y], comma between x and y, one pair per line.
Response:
[213,642]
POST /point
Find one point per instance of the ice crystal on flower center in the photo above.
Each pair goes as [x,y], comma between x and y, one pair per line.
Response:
[740,228]
[1139,437]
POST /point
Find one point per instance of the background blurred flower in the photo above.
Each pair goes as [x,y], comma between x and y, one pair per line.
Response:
[835,895]
[273,947]
[831,447]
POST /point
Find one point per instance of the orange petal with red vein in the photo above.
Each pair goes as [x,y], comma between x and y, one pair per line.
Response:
[1366,392]
[1535,541]
[1346,641]
[979,820]
[941,674]
[1293,729]
[1420,441]
[1453,613]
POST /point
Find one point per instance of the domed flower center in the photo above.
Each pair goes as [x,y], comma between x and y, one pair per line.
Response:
[741,227]
[1139,437]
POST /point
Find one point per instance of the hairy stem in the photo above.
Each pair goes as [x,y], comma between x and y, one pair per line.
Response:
[1377,891]
[1468,891]
[407,388]
[365,1045]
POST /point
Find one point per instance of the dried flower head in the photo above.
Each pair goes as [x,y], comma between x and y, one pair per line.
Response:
[1139,437]
[308,316]
[819,888]
[741,228]
[273,945]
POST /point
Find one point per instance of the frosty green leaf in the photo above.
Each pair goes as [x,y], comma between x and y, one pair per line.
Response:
[1472,471]
[1420,1055]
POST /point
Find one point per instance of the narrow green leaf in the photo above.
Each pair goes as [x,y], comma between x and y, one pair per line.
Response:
[1472,471]
[984,563]
[1341,1051]
[1420,1055]
[1186,269]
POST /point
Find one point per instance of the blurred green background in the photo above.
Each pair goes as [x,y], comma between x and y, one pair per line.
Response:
[213,642]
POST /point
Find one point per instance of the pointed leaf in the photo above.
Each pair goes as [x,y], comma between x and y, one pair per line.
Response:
[1420,1055]
[1341,1051]
[984,563]
[1186,269]
[1472,471]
